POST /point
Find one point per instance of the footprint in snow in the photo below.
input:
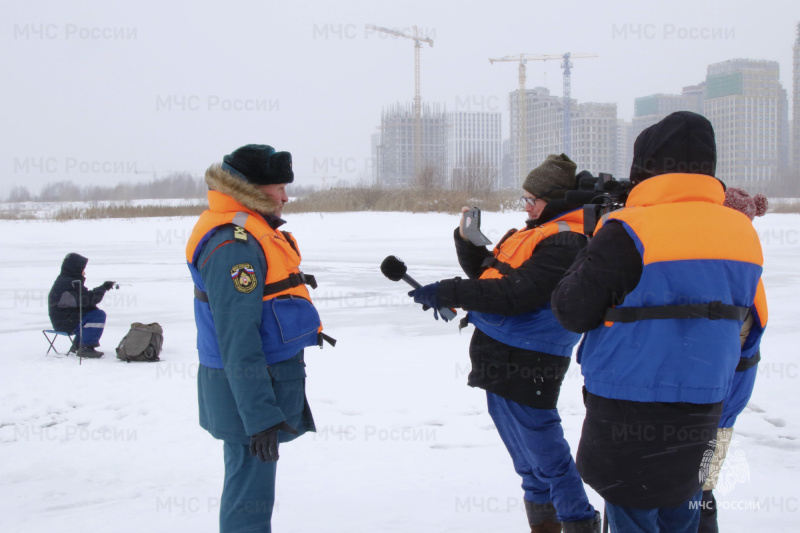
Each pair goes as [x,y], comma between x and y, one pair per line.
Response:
[777,422]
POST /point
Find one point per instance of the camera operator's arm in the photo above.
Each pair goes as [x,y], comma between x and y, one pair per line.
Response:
[470,257]
[602,275]
[525,288]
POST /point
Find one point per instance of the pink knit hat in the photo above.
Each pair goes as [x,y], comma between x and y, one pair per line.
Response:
[752,206]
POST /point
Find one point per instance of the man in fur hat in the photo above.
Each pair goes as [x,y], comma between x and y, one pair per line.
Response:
[254,317]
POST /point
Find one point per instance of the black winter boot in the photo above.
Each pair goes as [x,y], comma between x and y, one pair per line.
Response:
[593,525]
[89,352]
[542,517]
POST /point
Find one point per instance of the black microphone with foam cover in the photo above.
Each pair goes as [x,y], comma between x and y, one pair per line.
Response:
[395,269]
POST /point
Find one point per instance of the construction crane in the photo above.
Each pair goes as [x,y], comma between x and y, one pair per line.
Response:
[522,105]
[522,111]
[418,40]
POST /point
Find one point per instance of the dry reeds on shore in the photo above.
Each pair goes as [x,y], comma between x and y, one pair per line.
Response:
[125,211]
[415,200]
[336,200]
[94,211]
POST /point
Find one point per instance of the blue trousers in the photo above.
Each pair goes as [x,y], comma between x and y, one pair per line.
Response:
[94,322]
[684,518]
[541,456]
[248,494]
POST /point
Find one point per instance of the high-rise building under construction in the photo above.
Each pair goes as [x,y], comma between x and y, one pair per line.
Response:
[593,131]
[395,165]
[456,148]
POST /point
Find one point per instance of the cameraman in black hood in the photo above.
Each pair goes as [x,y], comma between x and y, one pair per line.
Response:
[661,293]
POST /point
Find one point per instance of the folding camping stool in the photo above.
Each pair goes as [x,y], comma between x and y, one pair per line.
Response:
[52,341]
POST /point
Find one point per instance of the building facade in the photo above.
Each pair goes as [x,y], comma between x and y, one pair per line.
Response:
[474,148]
[396,152]
[593,131]
[624,149]
[748,108]
[796,108]
[594,137]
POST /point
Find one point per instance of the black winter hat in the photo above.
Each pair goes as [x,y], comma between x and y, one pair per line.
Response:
[681,142]
[259,164]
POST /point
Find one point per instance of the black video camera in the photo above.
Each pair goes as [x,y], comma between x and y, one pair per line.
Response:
[599,195]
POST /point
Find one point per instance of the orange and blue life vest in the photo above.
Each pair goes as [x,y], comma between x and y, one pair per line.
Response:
[696,255]
[289,320]
[536,330]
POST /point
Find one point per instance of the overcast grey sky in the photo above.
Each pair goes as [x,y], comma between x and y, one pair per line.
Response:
[94,91]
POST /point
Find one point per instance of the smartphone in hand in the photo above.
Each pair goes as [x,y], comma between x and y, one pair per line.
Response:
[472,228]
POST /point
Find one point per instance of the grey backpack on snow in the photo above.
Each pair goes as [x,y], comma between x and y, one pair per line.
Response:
[142,343]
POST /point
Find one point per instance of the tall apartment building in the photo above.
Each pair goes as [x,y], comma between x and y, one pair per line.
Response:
[395,153]
[594,137]
[594,131]
[796,107]
[748,108]
[474,147]
[375,147]
[509,179]
[690,99]
[624,149]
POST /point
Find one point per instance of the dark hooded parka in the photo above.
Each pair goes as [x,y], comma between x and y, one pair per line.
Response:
[65,297]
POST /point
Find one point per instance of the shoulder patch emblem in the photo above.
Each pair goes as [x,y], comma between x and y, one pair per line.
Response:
[239,233]
[244,277]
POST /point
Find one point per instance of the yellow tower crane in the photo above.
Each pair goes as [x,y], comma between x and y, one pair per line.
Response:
[418,40]
[522,107]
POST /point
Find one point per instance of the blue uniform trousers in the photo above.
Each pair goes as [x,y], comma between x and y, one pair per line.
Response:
[248,494]
[686,517]
[93,322]
[541,455]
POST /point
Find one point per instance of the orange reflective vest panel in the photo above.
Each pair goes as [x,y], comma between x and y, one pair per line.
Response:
[280,248]
[289,320]
[537,330]
[519,247]
[696,253]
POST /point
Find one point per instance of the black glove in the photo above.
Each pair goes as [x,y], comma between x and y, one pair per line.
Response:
[265,444]
[108,285]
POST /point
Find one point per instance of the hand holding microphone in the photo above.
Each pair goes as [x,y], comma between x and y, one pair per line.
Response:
[428,296]
[394,269]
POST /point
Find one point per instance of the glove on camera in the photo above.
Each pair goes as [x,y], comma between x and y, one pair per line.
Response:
[108,285]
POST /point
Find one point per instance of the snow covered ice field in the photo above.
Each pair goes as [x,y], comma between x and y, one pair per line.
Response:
[403,444]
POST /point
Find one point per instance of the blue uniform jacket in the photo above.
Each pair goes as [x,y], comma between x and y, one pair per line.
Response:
[246,396]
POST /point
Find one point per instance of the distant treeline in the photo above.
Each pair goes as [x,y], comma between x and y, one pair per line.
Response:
[175,185]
